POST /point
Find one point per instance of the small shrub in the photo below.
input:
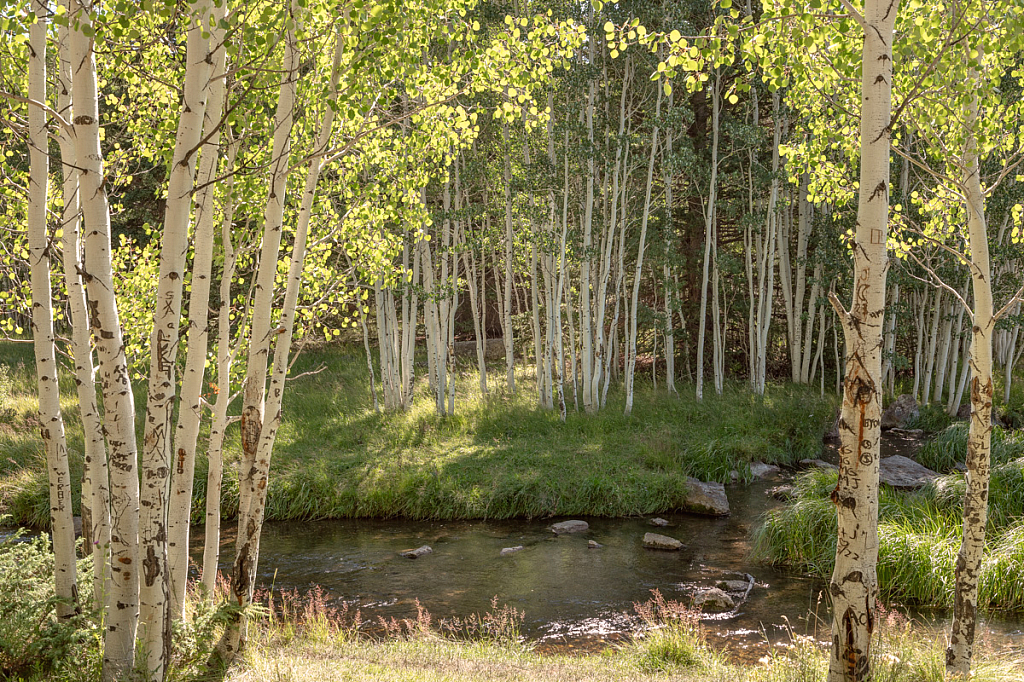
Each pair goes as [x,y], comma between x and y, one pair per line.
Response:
[672,637]
[33,642]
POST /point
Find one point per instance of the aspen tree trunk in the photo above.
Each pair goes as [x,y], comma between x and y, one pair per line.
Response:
[933,344]
[709,234]
[154,616]
[670,340]
[254,388]
[510,367]
[942,357]
[586,322]
[225,357]
[1011,356]
[432,329]
[369,359]
[570,318]
[979,439]
[556,311]
[95,528]
[631,343]
[469,264]
[121,619]
[555,270]
[812,304]
[410,307]
[538,350]
[190,410]
[888,365]
[717,329]
[50,417]
[919,354]
[956,387]
[453,283]
[766,264]
[244,570]
[954,356]
[253,392]
[854,584]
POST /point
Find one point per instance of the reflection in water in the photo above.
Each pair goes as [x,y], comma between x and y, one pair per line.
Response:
[573,597]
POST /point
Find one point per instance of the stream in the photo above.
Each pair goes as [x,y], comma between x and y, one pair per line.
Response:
[573,597]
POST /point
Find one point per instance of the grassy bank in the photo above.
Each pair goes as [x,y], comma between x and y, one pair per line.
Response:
[300,640]
[919,532]
[499,456]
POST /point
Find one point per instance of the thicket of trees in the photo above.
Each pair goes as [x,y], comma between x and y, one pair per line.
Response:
[593,184]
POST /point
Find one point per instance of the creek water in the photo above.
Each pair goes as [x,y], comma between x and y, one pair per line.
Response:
[573,597]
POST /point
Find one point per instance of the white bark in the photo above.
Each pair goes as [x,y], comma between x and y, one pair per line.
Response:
[933,339]
[631,343]
[154,619]
[979,439]
[190,408]
[121,619]
[254,388]
[50,417]
[510,368]
[96,494]
[225,357]
[854,584]
[709,234]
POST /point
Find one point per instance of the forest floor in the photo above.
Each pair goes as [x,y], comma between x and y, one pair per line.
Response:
[499,456]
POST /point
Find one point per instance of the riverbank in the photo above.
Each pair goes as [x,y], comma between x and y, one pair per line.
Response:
[499,456]
[919,532]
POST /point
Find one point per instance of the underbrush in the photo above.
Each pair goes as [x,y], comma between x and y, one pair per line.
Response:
[33,642]
[919,537]
[499,456]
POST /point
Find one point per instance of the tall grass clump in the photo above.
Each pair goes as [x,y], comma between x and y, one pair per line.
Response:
[931,418]
[802,534]
[671,637]
[919,537]
[949,447]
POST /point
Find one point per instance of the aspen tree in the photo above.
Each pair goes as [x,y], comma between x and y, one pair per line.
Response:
[190,410]
[854,583]
[156,457]
[586,322]
[96,495]
[261,333]
[121,616]
[631,344]
[709,233]
[254,388]
[50,417]
[226,353]
[248,544]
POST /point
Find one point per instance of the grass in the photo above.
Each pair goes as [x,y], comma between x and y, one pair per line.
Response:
[931,418]
[949,447]
[919,537]
[499,456]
